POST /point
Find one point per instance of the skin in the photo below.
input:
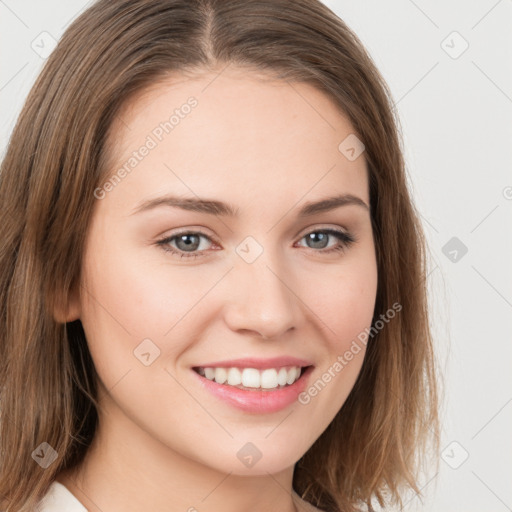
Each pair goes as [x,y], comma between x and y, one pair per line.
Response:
[267,147]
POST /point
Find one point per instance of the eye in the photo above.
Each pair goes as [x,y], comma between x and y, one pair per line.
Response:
[319,239]
[187,243]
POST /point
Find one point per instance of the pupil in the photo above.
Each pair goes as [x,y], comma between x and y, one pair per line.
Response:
[315,237]
[188,244]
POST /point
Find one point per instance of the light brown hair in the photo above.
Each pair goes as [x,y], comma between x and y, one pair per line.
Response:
[57,156]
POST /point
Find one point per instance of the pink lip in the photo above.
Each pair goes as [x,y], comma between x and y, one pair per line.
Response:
[258,363]
[257,401]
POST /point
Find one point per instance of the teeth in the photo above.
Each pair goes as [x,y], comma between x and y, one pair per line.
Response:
[221,375]
[282,377]
[269,378]
[291,375]
[251,378]
[234,377]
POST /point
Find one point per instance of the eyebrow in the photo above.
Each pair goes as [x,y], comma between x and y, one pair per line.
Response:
[214,207]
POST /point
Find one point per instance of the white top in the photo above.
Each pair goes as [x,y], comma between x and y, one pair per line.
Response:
[303,505]
[60,499]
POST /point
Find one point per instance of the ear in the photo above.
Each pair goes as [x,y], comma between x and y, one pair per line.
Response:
[68,310]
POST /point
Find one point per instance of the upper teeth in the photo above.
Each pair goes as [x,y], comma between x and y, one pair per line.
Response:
[251,377]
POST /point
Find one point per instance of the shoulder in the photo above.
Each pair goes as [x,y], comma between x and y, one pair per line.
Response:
[60,499]
[303,505]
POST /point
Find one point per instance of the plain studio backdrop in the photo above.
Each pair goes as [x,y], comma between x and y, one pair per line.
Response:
[448,66]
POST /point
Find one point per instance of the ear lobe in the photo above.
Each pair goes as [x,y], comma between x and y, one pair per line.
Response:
[64,313]
[66,316]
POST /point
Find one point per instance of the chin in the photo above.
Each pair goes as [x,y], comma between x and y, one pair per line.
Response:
[256,458]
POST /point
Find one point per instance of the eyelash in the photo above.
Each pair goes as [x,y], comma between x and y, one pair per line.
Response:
[345,241]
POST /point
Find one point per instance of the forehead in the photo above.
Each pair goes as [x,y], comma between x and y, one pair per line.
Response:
[235,134]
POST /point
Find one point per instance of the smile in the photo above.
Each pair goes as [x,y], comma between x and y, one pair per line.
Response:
[255,390]
[252,378]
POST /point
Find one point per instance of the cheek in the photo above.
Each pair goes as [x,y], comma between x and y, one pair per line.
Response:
[132,299]
[345,313]
[123,304]
[125,330]
[143,296]
[345,309]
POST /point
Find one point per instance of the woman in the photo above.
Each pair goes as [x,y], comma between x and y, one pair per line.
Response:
[213,277]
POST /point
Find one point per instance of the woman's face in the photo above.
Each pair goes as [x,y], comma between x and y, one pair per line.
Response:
[172,297]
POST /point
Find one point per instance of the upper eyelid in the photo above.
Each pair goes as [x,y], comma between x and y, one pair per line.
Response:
[312,229]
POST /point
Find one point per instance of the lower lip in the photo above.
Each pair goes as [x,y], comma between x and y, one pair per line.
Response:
[257,401]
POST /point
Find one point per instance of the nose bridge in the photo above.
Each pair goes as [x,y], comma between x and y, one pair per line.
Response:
[262,299]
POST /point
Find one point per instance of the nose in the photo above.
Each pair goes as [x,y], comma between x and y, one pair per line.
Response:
[262,301]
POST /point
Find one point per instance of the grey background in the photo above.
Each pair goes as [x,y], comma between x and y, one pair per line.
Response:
[455,108]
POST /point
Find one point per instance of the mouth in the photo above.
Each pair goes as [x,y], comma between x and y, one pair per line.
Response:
[253,379]
[256,386]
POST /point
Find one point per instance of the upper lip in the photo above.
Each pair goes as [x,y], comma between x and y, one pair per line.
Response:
[258,363]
